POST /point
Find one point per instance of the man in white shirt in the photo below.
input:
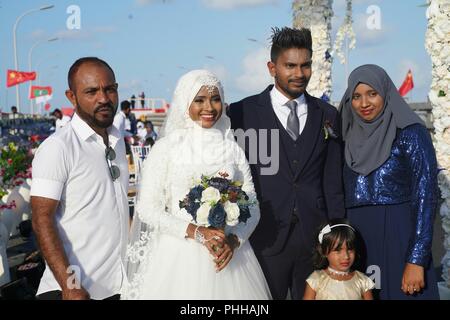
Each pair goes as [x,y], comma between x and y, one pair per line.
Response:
[61,119]
[121,120]
[79,192]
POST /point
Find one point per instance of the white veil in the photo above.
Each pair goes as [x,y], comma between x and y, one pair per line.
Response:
[187,88]
[180,131]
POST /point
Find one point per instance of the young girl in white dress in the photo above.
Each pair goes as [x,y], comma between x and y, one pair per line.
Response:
[171,257]
[334,257]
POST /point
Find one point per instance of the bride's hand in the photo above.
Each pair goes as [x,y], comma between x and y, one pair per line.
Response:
[214,239]
[226,253]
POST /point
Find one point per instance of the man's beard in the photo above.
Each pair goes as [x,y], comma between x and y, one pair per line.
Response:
[93,120]
[295,93]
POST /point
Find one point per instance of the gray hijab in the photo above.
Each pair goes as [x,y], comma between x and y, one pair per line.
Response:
[368,144]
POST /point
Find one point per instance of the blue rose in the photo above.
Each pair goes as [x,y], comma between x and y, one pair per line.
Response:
[196,193]
[192,208]
[234,189]
[220,184]
[217,216]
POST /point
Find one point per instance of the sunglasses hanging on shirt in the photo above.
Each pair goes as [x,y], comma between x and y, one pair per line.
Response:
[114,170]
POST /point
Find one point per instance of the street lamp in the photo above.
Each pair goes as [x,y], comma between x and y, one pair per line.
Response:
[38,65]
[30,53]
[16,64]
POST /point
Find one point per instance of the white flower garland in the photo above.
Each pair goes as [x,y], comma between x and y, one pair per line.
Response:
[316,15]
[346,29]
[437,44]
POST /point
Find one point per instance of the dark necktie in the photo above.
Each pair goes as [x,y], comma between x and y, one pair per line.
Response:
[293,124]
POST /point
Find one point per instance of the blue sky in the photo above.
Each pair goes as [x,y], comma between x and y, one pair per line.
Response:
[151,43]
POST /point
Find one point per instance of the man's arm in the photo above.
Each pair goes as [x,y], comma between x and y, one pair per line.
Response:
[43,219]
[332,183]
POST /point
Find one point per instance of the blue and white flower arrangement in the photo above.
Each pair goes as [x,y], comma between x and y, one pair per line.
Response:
[217,201]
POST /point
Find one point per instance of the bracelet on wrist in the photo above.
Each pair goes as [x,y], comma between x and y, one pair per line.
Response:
[198,236]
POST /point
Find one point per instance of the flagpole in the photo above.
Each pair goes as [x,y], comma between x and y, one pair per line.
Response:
[16,63]
[30,54]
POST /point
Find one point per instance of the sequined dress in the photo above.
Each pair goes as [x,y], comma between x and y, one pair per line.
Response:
[394,208]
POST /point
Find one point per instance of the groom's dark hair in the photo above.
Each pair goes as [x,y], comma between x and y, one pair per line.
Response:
[287,38]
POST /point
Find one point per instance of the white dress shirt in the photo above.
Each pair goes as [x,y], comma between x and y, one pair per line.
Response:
[59,123]
[122,123]
[282,111]
[92,215]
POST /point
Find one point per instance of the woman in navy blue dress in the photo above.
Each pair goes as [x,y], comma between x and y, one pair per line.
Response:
[390,177]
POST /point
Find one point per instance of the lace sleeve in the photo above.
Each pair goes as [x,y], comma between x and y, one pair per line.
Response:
[244,230]
[151,205]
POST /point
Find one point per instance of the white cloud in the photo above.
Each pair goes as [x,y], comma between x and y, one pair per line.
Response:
[144,2]
[256,76]
[231,4]
[147,2]
[85,34]
[38,34]
[133,85]
[219,70]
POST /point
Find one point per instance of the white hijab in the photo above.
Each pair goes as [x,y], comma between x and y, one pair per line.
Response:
[199,149]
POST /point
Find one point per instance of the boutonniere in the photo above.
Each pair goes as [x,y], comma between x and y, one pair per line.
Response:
[328,130]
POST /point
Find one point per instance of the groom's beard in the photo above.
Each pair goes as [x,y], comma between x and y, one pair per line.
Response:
[294,87]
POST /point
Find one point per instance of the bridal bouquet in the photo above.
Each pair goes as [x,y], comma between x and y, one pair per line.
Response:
[217,201]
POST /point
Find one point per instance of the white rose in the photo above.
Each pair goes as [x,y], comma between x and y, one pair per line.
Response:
[210,194]
[202,214]
[232,210]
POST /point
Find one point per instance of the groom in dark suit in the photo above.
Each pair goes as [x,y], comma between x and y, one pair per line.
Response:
[306,190]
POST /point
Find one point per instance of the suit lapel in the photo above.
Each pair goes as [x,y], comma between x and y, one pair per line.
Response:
[308,138]
[265,111]
[267,120]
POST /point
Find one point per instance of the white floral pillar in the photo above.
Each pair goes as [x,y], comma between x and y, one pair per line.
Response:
[316,15]
[345,32]
[438,46]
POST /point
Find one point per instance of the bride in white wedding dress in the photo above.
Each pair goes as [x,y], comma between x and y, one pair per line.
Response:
[166,258]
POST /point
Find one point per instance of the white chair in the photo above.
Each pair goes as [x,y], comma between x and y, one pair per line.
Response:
[139,154]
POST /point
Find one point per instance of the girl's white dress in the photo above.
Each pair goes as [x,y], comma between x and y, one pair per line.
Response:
[162,262]
[327,288]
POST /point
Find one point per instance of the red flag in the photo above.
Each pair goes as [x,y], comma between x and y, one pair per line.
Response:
[36,91]
[15,77]
[67,111]
[407,85]
[47,106]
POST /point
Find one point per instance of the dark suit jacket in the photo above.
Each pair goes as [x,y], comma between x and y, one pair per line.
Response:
[314,193]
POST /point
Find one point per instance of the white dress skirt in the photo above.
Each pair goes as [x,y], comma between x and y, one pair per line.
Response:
[185,270]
